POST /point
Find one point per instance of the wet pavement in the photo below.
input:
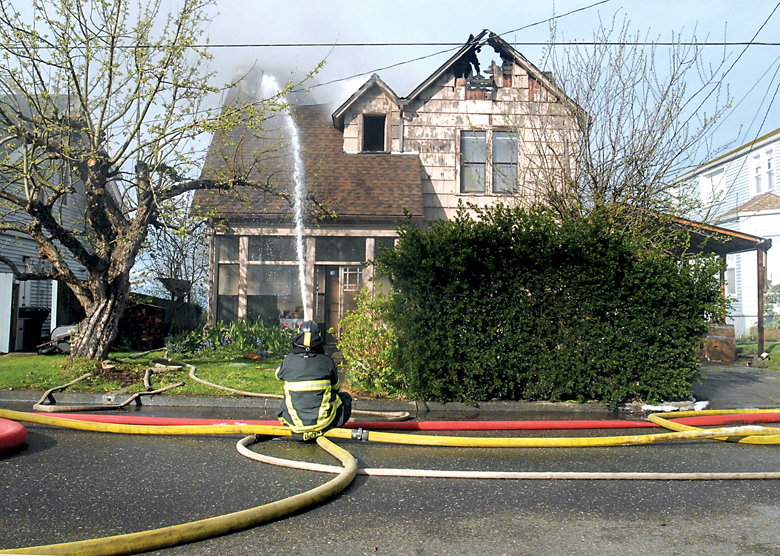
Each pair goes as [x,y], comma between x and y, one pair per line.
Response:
[69,485]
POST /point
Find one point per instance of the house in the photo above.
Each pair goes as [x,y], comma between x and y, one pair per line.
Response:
[475,131]
[31,309]
[739,192]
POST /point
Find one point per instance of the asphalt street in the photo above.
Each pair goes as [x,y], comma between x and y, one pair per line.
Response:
[68,485]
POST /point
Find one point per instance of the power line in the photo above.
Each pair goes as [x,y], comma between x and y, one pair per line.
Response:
[731,67]
[459,44]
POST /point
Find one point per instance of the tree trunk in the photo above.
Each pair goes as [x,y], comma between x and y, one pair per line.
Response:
[99,329]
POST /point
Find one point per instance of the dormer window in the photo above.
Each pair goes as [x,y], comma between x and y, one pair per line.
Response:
[374,133]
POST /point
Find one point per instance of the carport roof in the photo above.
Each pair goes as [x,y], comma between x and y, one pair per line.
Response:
[707,238]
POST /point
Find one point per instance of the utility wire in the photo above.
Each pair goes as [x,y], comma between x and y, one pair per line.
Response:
[737,105]
[715,88]
[458,46]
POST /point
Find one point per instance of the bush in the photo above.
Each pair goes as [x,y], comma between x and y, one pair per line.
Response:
[367,343]
[516,305]
[239,337]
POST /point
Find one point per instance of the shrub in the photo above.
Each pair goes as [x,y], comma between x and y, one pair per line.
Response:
[516,305]
[240,336]
[367,343]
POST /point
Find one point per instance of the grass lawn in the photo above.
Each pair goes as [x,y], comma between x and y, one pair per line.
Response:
[41,372]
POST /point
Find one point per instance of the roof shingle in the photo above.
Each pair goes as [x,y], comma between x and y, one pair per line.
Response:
[355,187]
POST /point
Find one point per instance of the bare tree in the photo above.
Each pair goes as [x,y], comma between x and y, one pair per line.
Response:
[638,122]
[174,260]
[102,100]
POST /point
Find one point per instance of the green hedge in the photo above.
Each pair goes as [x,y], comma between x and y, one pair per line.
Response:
[512,304]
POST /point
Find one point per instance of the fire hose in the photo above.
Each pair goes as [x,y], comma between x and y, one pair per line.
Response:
[200,530]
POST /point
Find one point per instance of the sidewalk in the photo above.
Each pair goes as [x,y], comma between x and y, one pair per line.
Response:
[723,385]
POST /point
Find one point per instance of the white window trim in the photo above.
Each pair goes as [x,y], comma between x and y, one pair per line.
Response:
[489,163]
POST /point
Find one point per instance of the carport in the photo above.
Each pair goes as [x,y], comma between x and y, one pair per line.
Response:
[706,238]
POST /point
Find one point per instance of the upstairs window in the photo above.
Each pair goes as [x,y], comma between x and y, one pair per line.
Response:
[504,162]
[763,172]
[473,153]
[757,174]
[713,187]
[477,148]
[374,133]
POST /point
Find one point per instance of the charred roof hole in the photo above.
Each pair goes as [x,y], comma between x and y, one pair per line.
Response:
[373,132]
[467,71]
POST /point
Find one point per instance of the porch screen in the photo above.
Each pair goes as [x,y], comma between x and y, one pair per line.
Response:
[273,293]
[341,249]
[269,248]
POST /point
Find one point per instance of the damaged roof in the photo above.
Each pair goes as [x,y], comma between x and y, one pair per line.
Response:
[350,187]
[460,65]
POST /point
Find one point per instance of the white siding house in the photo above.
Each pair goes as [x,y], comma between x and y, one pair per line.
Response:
[739,191]
[31,309]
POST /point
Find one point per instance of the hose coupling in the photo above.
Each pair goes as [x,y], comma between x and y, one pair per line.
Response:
[360,434]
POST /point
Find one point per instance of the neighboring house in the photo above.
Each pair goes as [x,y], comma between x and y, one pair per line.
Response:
[739,192]
[31,309]
[377,159]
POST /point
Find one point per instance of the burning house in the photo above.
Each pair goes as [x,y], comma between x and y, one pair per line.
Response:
[466,133]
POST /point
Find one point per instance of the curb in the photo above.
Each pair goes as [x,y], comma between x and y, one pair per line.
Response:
[414,408]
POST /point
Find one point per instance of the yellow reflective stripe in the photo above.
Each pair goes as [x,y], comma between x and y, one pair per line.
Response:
[307,385]
[276,372]
[323,412]
[291,410]
[307,339]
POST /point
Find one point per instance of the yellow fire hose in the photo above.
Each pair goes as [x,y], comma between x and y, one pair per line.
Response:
[165,537]
[771,436]
[200,530]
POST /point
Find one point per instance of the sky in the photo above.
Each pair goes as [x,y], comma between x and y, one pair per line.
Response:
[753,78]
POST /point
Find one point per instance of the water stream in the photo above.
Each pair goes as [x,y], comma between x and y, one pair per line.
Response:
[270,88]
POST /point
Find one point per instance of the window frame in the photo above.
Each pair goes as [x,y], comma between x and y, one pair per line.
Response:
[374,133]
[490,171]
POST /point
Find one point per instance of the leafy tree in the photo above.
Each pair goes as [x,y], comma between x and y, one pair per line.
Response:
[104,100]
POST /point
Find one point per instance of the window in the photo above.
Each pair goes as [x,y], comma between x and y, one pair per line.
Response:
[731,281]
[374,132]
[340,249]
[269,248]
[504,162]
[763,172]
[473,151]
[731,275]
[227,248]
[501,149]
[273,292]
[713,187]
[227,292]
[757,173]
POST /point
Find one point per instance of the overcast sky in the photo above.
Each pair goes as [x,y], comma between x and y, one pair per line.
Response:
[753,81]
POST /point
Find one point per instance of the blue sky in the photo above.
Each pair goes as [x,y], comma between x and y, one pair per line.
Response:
[750,81]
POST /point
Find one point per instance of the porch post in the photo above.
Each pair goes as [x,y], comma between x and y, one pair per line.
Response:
[723,288]
[761,282]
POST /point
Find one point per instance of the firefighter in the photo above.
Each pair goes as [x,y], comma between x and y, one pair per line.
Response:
[312,401]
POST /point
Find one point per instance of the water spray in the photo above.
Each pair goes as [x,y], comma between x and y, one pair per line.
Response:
[270,87]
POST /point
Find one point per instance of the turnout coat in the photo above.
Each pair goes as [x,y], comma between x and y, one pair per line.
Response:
[311,384]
